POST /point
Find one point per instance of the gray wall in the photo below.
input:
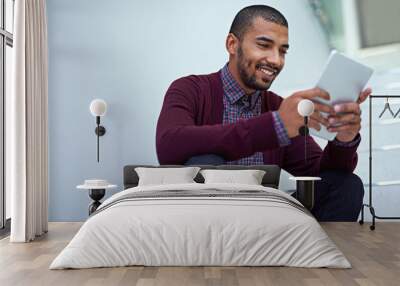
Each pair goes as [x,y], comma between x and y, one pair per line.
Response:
[127,53]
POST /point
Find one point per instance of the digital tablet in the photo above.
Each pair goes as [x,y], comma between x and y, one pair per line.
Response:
[344,79]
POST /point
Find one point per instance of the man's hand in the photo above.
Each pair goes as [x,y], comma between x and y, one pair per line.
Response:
[348,118]
[293,120]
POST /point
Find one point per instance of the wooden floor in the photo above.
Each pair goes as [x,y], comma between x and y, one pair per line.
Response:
[375,256]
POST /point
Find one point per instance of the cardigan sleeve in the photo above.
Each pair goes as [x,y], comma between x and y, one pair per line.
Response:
[333,157]
[179,136]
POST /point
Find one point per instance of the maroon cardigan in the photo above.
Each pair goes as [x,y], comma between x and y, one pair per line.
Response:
[190,124]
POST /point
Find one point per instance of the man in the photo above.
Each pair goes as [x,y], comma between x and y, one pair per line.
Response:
[230,117]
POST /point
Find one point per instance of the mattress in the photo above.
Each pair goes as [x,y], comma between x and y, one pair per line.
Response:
[201,225]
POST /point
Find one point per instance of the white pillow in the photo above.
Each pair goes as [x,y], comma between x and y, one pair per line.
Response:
[248,177]
[165,176]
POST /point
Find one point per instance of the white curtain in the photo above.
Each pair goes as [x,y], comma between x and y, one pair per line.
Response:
[29,123]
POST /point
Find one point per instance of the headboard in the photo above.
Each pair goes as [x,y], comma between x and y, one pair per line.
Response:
[270,179]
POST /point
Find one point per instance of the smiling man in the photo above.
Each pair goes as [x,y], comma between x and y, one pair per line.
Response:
[231,117]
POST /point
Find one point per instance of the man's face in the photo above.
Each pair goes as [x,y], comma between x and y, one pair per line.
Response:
[260,55]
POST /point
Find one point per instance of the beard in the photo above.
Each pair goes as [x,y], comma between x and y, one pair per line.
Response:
[250,80]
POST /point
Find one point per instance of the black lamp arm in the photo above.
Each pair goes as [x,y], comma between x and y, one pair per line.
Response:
[100,131]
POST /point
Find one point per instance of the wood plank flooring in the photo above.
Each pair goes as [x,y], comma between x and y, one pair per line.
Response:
[375,256]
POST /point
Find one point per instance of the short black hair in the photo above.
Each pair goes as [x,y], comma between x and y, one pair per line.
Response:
[245,17]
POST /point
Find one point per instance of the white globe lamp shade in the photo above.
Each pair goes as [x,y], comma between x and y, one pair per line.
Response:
[98,107]
[305,107]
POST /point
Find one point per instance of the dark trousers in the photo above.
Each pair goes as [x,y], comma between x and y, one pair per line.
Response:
[338,196]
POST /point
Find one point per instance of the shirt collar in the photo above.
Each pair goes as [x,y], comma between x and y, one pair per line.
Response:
[232,89]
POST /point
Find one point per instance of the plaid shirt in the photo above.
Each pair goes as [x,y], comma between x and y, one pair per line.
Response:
[238,106]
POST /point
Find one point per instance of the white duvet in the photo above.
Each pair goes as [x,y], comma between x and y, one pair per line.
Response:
[200,231]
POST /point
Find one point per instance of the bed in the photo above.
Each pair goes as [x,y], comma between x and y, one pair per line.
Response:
[197,224]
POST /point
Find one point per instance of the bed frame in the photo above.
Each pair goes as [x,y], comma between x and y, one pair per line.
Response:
[270,179]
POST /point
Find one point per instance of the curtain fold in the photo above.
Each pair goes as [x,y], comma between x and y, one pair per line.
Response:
[29,123]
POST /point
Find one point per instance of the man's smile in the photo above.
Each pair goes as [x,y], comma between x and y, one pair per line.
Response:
[267,72]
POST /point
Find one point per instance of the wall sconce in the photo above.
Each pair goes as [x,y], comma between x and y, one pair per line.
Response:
[98,108]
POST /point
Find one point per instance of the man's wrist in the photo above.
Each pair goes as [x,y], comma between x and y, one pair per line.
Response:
[351,143]
[280,130]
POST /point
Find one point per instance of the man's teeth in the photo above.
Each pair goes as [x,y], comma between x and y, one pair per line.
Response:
[267,72]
